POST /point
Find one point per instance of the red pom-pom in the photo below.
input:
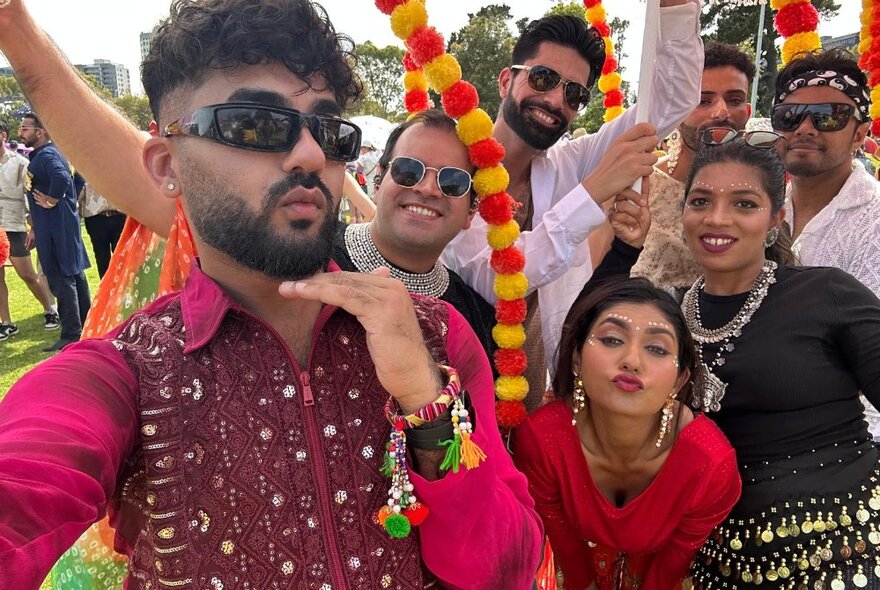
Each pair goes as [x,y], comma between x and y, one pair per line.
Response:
[508,261]
[425,44]
[613,99]
[510,312]
[610,64]
[874,78]
[416,101]
[800,17]
[496,209]
[388,6]
[487,153]
[874,29]
[510,414]
[460,99]
[591,3]
[416,513]
[603,29]
[875,128]
[511,361]
[408,64]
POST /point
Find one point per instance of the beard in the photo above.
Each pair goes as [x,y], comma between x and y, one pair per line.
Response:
[227,224]
[537,136]
[690,136]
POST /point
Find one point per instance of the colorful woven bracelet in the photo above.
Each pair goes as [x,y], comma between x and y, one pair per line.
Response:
[436,408]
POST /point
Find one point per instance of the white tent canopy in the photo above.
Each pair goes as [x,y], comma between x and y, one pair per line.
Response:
[376,129]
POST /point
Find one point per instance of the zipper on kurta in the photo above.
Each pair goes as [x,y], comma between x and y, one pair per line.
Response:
[308,397]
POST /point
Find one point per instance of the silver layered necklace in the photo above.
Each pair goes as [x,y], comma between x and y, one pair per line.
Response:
[710,389]
[367,258]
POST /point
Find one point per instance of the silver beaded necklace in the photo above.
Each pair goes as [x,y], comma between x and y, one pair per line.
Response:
[367,258]
[709,387]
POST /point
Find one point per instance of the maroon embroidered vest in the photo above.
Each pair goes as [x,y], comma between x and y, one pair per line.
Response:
[240,480]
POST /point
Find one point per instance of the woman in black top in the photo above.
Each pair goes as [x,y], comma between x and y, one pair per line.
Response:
[785,352]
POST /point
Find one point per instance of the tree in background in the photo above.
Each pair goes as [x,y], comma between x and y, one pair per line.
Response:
[136,109]
[732,23]
[483,48]
[381,69]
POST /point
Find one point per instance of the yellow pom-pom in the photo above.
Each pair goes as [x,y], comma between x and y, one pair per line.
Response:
[489,181]
[407,18]
[507,336]
[596,14]
[474,126]
[415,80]
[800,43]
[874,110]
[777,4]
[443,71]
[511,389]
[609,82]
[609,45]
[864,44]
[510,287]
[612,113]
[502,236]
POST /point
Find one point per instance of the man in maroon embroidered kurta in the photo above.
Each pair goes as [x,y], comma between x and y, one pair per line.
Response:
[235,431]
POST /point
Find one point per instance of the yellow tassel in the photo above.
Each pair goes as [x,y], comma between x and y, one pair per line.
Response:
[471,454]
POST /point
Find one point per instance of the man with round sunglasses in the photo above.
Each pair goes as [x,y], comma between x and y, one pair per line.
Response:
[236,430]
[833,207]
[562,186]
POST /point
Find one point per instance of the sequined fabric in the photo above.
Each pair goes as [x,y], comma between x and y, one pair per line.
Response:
[238,481]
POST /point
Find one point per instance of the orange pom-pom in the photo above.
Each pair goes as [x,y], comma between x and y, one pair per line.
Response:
[408,64]
[496,209]
[508,261]
[801,17]
[511,361]
[416,513]
[416,101]
[511,312]
[384,513]
[425,44]
[487,153]
[610,64]
[510,414]
[460,99]
[388,6]
[602,28]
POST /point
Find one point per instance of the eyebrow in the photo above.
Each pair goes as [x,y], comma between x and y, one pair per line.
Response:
[257,95]
[740,191]
[326,106]
[625,326]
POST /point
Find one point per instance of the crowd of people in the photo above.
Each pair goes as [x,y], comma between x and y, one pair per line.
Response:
[314,408]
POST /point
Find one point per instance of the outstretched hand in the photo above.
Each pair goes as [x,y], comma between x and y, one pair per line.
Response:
[394,339]
[630,216]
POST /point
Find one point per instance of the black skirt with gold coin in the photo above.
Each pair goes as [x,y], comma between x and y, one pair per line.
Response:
[790,531]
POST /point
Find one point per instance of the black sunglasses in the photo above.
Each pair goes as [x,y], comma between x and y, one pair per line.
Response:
[826,116]
[757,139]
[544,79]
[268,129]
[408,172]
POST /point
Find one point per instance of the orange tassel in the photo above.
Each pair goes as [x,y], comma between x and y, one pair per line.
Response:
[471,454]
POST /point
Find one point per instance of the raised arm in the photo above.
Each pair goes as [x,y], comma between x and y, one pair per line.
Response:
[88,131]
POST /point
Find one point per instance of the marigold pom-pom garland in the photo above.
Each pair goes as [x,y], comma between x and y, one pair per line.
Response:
[796,22]
[869,61]
[428,65]
[610,80]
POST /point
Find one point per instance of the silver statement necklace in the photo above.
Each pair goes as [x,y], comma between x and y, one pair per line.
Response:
[366,258]
[710,389]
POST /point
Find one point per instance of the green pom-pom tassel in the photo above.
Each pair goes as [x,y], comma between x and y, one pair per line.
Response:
[388,465]
[397,525]
[452,459]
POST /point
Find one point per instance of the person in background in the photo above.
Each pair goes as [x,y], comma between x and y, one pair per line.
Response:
[103,223]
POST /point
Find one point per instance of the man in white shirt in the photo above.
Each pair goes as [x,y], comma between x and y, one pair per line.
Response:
[13,220]
[561,185]
[833,208]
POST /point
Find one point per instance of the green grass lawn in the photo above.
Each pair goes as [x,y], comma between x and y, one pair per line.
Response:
[21,352]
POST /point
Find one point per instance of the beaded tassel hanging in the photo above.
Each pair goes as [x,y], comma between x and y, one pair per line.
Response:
[403,511]
[869,60]
[610,80]
[428,65]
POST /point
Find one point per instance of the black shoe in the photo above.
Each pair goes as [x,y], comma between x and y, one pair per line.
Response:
[52,320]
[58,345]
[7,330]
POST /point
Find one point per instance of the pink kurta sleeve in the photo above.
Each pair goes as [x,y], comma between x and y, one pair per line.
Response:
[482,531]
[569,546]
[65,429]
[719,492]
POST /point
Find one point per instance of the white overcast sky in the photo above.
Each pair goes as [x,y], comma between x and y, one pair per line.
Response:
[110,29]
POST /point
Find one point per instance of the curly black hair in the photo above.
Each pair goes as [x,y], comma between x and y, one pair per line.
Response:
[205,35]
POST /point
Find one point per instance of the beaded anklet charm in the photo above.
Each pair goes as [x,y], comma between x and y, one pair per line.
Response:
[403,511]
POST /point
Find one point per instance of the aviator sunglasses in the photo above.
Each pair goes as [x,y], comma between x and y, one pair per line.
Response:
[826,116]
[543,79]
[764,140]
[408,172]
[268,129]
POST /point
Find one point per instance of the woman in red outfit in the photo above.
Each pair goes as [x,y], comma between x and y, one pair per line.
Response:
[629,483]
